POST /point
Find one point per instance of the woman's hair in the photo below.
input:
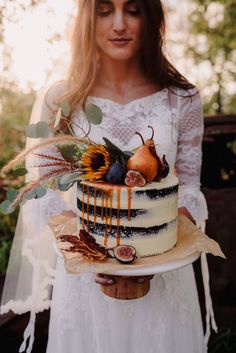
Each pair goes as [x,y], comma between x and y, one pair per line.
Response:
[84,56]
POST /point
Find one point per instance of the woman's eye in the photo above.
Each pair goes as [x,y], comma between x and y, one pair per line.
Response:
[133,11]
[104,11]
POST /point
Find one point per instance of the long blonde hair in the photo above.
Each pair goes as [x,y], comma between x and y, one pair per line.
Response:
[83,66]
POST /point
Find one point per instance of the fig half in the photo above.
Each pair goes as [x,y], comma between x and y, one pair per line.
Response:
[124,253]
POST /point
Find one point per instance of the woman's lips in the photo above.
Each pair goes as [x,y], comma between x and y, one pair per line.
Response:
[120,41]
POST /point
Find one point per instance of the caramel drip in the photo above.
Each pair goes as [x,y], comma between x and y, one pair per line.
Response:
[88,208]
[95,205]
[102,206]
[118,216]
[129,204]
[83,188]
[111,195]
[106,219]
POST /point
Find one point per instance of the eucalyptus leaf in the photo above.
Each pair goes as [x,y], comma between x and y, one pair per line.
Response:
[40,192]
[6,208]
[30,195]
[65,108]
[42,129]
[69,178]
[20,171]
[64,187]
[31,131]
[12,194]
[57,118]
[93,113]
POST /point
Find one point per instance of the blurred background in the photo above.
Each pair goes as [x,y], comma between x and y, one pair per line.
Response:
[201,42]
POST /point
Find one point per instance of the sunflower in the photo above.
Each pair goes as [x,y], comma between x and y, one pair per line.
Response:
[95,162]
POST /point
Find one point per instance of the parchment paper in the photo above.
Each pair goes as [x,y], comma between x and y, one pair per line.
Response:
[190,240]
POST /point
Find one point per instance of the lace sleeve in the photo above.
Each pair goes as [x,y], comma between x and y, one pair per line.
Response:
[189,156]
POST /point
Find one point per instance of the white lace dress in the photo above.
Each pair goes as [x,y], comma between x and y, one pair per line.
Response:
[168,319]
[83,319]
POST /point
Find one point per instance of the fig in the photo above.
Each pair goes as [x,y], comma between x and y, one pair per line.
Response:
[116,173]
[134,178]
[165,167]
[124,253]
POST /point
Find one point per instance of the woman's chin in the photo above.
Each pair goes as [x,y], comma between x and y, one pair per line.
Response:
[121,55]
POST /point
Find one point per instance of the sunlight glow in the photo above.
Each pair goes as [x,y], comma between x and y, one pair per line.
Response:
[33,54]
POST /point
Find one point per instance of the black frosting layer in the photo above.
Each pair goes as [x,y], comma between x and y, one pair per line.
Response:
[126,232]
[123,212]
[152,194]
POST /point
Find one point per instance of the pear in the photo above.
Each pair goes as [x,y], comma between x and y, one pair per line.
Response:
[144,162]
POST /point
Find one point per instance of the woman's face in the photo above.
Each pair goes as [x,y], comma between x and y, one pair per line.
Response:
[119,28]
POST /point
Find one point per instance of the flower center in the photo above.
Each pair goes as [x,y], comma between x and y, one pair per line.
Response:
[98,161]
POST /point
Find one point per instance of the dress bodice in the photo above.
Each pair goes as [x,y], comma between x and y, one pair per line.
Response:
[121,121]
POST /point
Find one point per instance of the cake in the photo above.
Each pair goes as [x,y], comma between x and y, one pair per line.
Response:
[141,216]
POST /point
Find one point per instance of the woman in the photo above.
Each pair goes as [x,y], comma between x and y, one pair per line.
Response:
[119,65]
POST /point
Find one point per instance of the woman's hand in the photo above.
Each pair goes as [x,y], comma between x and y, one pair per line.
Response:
[107,280]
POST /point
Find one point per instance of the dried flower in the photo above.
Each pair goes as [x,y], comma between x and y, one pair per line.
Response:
[95,162]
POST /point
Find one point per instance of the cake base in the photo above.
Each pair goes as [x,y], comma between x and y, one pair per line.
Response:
[126,288]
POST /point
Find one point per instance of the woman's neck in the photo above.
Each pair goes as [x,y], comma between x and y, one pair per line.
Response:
[122,81]
[120,75]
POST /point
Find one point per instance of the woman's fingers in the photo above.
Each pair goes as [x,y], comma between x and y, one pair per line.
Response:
[105,280]
[142,279]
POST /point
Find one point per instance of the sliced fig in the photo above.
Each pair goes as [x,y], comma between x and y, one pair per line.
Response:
[124,253]
[134,178]
[165,167]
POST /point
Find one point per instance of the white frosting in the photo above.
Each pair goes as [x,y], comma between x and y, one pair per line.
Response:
[148,246]
[160,211]
[138,201]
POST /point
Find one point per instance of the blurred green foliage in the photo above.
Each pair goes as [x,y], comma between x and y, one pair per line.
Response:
[213,41]
[15,110]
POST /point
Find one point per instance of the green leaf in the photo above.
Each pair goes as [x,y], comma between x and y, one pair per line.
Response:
[30,195]
[111,145]
[69,178]
[40,191]
[20,171]
[31,131]
[65,108]
[71,153]
[12,194]
[57,118]
[93,113]
[64,187]
[5,207]
[42,129]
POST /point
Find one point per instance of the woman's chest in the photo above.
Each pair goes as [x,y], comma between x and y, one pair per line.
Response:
[121,122]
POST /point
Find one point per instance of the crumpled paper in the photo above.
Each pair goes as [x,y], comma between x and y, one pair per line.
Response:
[190,240]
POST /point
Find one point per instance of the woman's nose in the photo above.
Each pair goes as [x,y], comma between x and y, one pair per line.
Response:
[119,24]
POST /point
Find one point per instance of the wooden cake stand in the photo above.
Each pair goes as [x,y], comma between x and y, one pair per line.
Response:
[126,288]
